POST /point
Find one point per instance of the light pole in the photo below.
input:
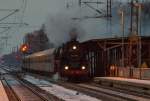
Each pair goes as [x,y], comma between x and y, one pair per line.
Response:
[139,18]
[139,34]
[122,30]
[122,23]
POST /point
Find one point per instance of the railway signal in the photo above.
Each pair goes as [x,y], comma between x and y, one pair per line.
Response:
[24,48]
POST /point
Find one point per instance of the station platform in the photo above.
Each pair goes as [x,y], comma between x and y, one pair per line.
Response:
[3,95]
[136,85]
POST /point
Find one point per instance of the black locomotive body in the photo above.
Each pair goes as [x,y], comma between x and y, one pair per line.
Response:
[73,62]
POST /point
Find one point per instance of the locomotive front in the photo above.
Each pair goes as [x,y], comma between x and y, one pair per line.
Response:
[73,62]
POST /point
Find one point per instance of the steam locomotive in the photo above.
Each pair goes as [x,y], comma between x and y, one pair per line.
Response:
[68,60]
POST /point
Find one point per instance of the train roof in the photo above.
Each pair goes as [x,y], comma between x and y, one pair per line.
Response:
[113,39]
[42,53]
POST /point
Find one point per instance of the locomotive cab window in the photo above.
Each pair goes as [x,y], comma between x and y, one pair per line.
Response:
[75,64]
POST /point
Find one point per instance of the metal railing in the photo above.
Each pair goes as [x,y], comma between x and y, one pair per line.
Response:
[137,73]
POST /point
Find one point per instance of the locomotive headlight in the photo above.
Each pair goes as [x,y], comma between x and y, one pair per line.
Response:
[74,47]
[83,67]
[66,67]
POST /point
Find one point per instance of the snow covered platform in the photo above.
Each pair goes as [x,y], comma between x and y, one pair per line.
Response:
[59,91]
[3,95]
[137,85]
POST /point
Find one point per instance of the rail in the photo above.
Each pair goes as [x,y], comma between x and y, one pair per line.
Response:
[34,91]
[100,94]
[10,92]
[32,88]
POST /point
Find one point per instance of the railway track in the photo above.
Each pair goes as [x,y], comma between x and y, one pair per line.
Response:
[106,94]
[43,93]
[102,92]
[121,90]
[10,93]
[92,89]
[10,70]
[18,89]
[21,92]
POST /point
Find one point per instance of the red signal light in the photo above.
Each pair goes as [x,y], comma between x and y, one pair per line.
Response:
[24,48]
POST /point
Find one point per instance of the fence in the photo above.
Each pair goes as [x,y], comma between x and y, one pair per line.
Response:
[137,73]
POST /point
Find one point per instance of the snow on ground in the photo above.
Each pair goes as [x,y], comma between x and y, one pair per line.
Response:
[59,91]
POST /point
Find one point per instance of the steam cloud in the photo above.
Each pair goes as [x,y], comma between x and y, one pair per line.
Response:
[61,28]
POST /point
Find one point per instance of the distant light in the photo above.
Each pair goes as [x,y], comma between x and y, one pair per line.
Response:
[112,67]
[74,47]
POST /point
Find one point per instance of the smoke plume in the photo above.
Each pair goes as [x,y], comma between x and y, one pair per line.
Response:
[61,28]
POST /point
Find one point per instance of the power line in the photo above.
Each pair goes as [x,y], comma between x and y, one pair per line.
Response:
[9,15]
[13,23]
[24,4]
[9,10]
[5,30]
[7,26]
[4,27]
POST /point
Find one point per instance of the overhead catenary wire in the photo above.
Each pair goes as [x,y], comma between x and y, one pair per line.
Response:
[5,30]
[9,15]
[24,5]
[8,10]
[7,26]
